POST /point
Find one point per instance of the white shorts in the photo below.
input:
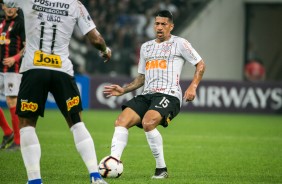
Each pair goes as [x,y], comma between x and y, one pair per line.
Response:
[10,83]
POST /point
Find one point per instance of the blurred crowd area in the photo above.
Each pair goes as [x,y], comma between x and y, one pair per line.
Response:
[125,25]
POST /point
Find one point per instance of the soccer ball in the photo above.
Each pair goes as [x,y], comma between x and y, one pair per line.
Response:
[110,167]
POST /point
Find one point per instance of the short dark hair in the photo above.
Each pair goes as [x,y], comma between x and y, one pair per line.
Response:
[165,13]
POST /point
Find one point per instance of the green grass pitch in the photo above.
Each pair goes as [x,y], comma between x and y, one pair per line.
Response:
[199,148]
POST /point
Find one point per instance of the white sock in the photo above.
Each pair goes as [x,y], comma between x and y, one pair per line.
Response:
[155,142]
[119,141]
[85,146]
[31,152]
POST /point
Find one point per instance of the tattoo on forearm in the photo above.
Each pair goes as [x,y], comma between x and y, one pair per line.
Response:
[137,83]
[198,74]
[200,71]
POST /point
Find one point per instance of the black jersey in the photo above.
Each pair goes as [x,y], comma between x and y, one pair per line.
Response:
[12,36]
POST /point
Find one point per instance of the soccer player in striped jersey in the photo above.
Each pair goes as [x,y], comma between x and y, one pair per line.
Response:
[11,48]
[160,65]
[46,67]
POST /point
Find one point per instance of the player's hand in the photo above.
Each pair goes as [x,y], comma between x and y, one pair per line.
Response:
[190,94]
[10,61]
[113,90]
[107,54]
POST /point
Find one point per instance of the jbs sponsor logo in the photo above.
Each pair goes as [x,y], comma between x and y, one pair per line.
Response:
[72,102]
[29,106]
[154,64]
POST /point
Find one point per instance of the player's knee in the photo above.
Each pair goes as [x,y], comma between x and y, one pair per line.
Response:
[120,121]
[124,122]
[149,124]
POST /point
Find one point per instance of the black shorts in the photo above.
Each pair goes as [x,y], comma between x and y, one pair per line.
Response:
[168,106]
[34,88]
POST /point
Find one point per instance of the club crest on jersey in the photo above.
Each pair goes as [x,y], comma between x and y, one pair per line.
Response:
[148,47]
[167,47]
[4,40]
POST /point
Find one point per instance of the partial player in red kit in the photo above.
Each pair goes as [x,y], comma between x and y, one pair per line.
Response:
[11,47]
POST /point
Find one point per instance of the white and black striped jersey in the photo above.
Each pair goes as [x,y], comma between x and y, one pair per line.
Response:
[162,63]
[49,25]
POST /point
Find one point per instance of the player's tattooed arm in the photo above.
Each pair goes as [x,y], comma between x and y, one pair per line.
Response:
[200,70]
[135,84]
[190,93]
[116,90]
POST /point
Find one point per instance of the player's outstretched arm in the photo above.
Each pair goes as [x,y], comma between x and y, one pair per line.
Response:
[116,90]
[99,43]
[190,93]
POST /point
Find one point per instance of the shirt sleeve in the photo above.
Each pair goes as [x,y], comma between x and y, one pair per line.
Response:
[188,52]
[85,22]
[142,62]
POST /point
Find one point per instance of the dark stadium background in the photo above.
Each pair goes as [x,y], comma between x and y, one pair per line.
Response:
[230,134]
